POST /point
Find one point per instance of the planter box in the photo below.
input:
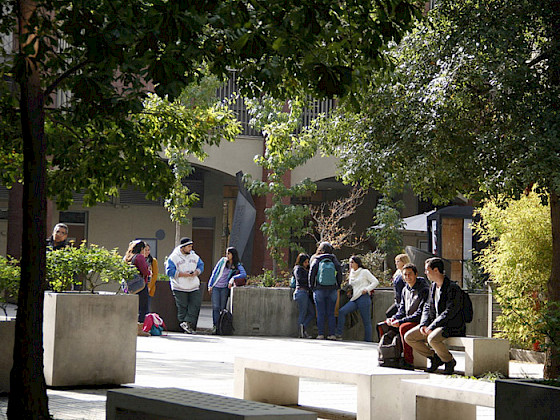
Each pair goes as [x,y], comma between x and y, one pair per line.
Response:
[271,311]
[526,399]
[7,334]
[89,339]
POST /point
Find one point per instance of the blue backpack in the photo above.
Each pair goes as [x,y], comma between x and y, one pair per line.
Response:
[326,274]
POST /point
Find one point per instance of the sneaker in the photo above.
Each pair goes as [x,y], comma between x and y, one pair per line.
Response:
[320,337]
[435,362]
[449,367]
[191,328]
[338,337]
[185,326]
[332,337]
[214,330]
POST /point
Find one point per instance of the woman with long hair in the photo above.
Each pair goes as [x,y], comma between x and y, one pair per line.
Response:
[363,283]
[135,256]
[152,279]
[227,273]
[306,310]
[398,283]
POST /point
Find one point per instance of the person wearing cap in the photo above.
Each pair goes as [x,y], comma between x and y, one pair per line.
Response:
[183,268]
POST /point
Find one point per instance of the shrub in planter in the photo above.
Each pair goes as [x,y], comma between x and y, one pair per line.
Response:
[90,266]
[9,281]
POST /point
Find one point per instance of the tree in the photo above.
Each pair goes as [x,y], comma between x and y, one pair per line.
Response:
[328,218]
[518,259]
[108,54]
[471,109]
[285,149]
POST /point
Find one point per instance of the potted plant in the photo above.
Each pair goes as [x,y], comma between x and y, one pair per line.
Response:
[89,337]
[9,287]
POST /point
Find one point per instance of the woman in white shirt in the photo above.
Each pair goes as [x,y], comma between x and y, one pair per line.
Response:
[362,282]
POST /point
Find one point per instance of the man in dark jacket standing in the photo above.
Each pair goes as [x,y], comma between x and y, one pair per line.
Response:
[442,317]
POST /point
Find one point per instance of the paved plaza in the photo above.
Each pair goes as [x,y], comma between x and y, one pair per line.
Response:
[205,363]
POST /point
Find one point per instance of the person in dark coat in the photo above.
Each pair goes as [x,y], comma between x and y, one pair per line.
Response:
[442,317]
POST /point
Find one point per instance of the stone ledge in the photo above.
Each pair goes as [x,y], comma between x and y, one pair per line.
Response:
[526,356]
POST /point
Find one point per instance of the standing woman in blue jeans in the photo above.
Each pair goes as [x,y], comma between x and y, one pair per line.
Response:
[227,273]
[306,310]
[325,277]
[363,283]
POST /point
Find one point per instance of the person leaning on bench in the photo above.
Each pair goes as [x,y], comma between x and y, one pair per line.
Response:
[442,317]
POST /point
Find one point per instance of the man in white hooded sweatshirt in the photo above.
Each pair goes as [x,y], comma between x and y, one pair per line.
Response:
[183,268]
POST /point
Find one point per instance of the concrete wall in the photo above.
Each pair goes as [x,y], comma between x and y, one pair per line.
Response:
[263,311]
[7,335]
[89,339]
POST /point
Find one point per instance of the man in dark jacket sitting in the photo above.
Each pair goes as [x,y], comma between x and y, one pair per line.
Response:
[442,317]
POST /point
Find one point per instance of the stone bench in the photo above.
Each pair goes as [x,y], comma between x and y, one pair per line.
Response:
[482,354]
[442,397]
[277,382]
[174,403]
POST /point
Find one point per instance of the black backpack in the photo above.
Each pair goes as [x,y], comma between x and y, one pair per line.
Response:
[390,349]
[225,323]
[468,312]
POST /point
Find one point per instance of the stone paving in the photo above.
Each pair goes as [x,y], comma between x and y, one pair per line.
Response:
[205,363]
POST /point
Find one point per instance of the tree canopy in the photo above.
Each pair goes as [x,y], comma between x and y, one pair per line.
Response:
[108,54]
[472,108]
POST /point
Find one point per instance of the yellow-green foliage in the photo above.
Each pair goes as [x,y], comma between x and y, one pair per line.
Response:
[518,259]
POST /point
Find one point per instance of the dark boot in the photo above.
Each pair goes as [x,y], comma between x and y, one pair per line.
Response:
[435,362]
[449,367]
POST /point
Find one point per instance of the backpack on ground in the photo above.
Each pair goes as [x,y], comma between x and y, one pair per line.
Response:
[225,323]
[153,323]
[468,312]
[390,349]
[326,274]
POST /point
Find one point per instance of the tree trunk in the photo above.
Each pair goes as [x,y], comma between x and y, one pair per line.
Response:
[28,391]
[552,358]
[15,220]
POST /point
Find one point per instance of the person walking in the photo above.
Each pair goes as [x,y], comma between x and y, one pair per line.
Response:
[362,282]
[135,256]
[306,309]
[183,268]
[325,277]
[228,272]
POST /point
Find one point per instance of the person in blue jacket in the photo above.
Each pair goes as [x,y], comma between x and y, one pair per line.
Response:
[227,273]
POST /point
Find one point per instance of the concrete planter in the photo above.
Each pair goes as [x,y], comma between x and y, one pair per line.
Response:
[7,334]
[89,339]
[271,311]
[526,399]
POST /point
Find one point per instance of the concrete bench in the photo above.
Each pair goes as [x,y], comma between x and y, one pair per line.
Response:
[442,397]
[277,382]
[174,403]
[482,354]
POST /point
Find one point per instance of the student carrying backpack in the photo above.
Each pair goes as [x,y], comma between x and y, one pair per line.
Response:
[325,277]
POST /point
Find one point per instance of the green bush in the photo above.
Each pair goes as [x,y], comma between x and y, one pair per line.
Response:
[90,266]
[9,281]
[268,279]
[518,260]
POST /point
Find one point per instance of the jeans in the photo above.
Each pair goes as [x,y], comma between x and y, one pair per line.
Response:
[305,307]
[325,301]
[143,304]
[219,300]
[188,306]
[362,304]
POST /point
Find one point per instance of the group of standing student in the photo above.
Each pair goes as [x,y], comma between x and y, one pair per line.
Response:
[318,281]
